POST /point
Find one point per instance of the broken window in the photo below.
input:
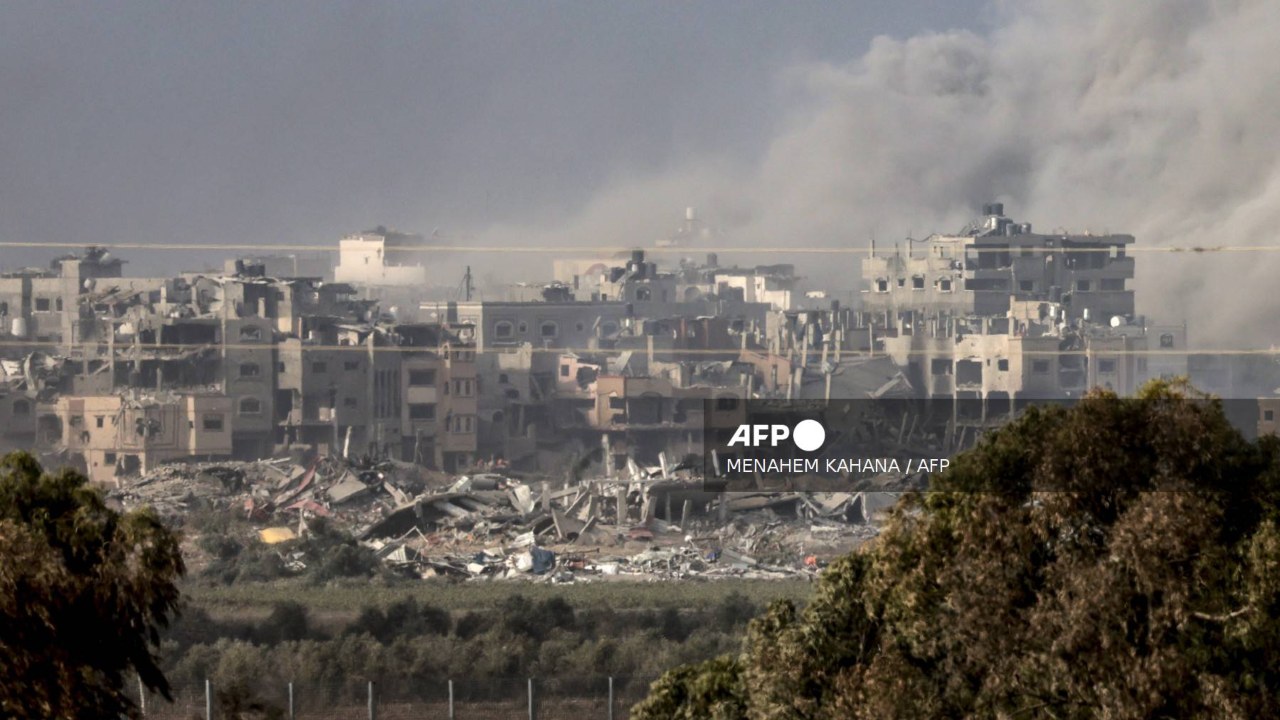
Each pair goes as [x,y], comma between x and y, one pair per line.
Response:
[944,285]
[422,411]
[940,366]
[917,282]
[1166,340]
[644,293]
[100,421]
[1269,415]
[1039,366]
[617,403]
[42,304]
[248,370]
[250,406]
[1112,285]
[882,285]
[902,282]
[1106,366]
[109,458]
[212,422]
[1002,364]
[250,333]
[1082,285]
[503,330]
[1027,285]
[549,330]
[422,378]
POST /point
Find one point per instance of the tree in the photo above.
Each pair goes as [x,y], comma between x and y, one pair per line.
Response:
[84,593]
[1116,559]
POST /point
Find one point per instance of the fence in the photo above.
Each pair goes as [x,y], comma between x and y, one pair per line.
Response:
[596,698]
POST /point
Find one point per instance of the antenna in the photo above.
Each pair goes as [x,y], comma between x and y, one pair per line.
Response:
[467,286]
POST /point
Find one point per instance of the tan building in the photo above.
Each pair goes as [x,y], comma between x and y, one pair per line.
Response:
[440,423]
[1268,416]
[125,435]
[1031,354]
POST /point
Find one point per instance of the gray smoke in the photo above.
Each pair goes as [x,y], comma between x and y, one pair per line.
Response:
[1158,119]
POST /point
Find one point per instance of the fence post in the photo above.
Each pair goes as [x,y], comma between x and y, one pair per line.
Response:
[290,701]
[451,700]
[532,714]
[610,697]
[373,711]
[208,700]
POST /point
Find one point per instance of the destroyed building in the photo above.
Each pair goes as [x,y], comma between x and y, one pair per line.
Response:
[995,261]
[616,360]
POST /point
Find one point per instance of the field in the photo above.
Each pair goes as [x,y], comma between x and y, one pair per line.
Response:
[254,600]
[251,640]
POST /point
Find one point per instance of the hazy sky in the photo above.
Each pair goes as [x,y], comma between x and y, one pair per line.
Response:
[300,121]
[532,123]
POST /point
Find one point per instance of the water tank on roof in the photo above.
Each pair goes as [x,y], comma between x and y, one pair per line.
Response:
[18,327]
[1117,321]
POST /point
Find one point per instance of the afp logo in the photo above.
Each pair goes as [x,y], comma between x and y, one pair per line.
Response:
[808,435]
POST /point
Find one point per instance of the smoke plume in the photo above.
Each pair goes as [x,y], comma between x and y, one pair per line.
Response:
[1157,119]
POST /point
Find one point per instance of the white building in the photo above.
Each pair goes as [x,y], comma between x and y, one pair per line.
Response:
[381,257]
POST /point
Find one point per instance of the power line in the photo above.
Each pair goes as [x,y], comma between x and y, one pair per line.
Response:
[121,348]
[620,250]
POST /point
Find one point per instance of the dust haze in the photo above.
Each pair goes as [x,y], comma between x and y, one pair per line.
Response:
[1155,119]
[795,125]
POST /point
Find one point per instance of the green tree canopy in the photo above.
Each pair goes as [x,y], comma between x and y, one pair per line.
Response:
[1116,559]
[84,592]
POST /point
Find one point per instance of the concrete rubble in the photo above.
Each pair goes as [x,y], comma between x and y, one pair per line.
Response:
[489,526]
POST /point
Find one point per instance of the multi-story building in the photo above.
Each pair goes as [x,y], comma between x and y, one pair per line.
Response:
[133,433]
[553,325]
[440,385]
[1032,353]
[996,261]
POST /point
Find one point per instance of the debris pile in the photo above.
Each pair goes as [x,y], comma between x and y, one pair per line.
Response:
[656,524]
